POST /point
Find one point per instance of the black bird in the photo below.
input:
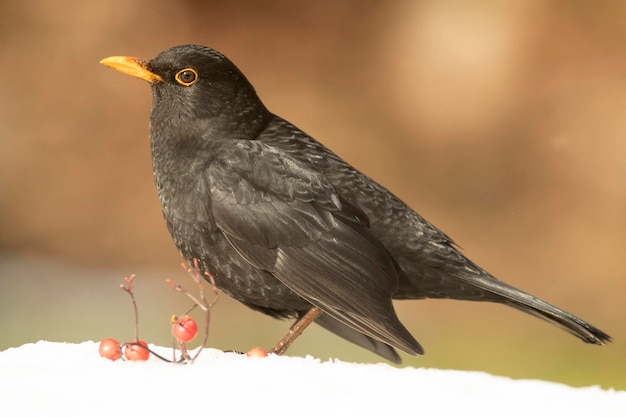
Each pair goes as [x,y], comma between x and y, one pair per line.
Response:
[289,228]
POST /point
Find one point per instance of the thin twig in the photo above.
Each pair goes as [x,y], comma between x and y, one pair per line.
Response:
[200,302]
[148,349]
[128,287]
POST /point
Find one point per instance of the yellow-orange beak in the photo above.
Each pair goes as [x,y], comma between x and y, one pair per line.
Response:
[131,66]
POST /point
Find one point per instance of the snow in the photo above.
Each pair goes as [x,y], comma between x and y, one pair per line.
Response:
[63,379]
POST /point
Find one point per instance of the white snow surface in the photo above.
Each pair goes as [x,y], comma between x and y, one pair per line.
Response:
[63,379]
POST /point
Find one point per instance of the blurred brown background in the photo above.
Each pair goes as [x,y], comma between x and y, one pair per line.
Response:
[501,122]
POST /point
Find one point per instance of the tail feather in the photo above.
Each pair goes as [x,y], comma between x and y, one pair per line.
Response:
[530,304]
[566,321]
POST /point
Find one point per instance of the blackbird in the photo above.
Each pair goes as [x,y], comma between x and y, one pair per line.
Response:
[287,227]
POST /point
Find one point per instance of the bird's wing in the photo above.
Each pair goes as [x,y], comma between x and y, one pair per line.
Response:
[285,218]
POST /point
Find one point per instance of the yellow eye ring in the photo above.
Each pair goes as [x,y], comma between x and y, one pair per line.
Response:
[186,76]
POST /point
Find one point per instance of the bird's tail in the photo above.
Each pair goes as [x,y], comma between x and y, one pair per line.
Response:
[530,304]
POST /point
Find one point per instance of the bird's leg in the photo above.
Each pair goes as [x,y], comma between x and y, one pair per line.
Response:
[295,331]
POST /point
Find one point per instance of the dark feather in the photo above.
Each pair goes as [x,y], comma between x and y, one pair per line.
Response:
[307,238]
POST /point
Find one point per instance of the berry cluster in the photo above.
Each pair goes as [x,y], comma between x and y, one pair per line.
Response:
[184,329]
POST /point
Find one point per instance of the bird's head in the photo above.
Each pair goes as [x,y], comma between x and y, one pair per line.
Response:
[197,91]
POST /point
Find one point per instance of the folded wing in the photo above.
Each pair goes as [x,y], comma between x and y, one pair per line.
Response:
[284,218]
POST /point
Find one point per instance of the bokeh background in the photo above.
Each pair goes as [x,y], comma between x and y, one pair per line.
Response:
[503,123]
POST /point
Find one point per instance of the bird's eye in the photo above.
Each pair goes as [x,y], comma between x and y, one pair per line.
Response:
[186,76]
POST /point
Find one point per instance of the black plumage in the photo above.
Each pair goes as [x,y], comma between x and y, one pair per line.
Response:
[284,224]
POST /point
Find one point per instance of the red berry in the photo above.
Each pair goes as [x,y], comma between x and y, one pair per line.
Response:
[110,349]
[256,352]
[137,352]
[185,329]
